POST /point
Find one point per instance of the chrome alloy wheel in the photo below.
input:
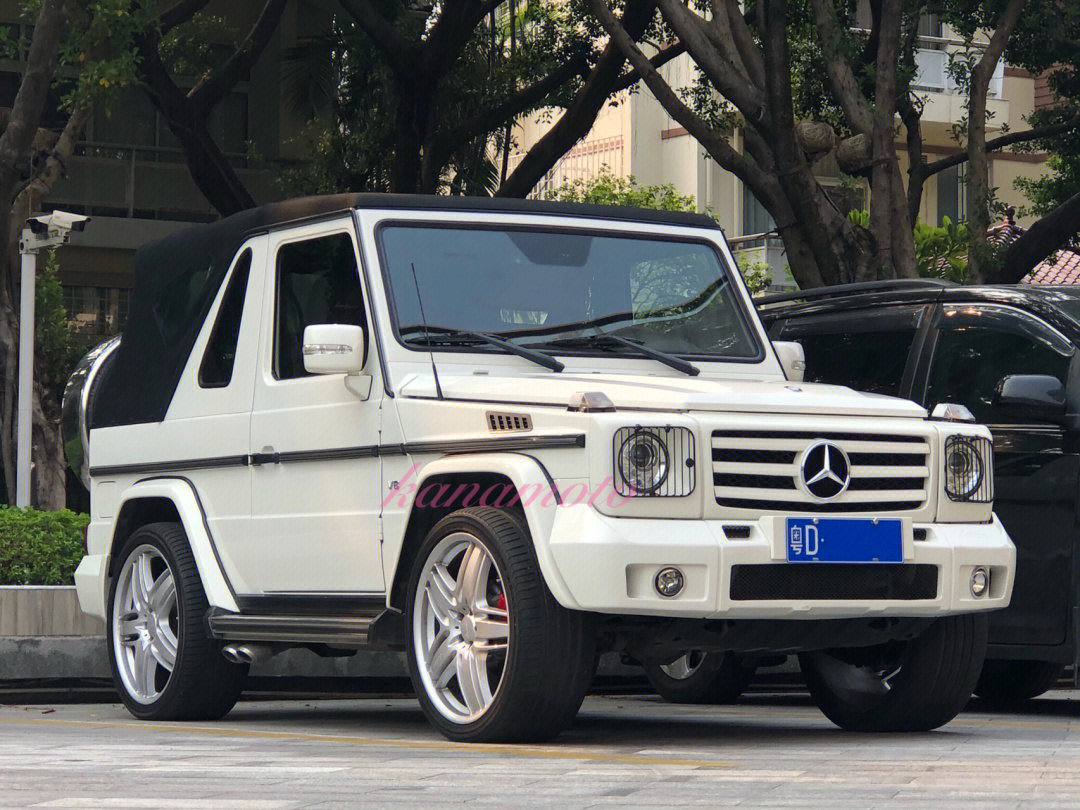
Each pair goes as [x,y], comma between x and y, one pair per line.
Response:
[461,627]
[684,666]
[145,624]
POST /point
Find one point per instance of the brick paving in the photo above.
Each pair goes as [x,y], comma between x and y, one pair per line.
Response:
[629,753]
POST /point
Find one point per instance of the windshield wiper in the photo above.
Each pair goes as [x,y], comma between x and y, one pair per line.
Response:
[595,340]
[436,335]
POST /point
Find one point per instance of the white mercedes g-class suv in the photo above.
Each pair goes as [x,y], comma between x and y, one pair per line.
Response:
[506,436]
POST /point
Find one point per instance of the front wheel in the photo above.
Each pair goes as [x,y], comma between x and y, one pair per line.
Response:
[1010,683]
[701,677]
[164,663]
[492,655]
[914,685]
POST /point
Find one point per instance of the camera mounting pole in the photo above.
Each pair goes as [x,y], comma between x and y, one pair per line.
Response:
[44,232]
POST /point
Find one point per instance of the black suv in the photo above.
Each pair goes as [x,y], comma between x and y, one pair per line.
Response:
[1010,355]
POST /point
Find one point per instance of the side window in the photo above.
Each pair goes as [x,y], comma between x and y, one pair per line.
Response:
[317,282]
[867,351]
[217,363]
[978,346]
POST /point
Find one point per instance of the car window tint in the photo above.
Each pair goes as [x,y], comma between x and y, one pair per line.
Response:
[217,363]
[971,357]
[866,351]
[317,282]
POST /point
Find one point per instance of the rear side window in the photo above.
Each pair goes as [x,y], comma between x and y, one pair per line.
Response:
[867,351]
[217,364]
[317,282]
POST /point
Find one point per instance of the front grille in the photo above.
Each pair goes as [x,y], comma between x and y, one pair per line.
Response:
[840,581]
[759,470]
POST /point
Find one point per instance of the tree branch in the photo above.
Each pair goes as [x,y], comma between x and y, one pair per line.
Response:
[1003,141]
[179,13]
[716,144]
[398,50]
[724,73]
[658,60]
[212,89]
[1049,234]
[841,76]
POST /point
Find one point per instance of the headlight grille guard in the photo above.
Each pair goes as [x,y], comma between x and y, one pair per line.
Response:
[983,449]
[681,475]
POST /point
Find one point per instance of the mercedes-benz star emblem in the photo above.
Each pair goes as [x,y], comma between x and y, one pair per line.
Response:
[824,470]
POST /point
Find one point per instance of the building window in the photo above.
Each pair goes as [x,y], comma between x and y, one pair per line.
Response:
[952,194]
[96,313]
[755,219]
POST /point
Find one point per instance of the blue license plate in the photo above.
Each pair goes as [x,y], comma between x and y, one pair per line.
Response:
[845,540]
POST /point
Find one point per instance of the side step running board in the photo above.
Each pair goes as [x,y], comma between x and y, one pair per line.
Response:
[346,631]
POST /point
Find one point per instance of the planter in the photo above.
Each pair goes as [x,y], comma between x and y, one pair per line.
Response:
[33,610]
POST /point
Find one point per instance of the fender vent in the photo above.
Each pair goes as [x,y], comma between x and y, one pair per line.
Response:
[508,422]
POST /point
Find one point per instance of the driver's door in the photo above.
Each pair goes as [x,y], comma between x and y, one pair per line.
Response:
[973,346]
[315,495]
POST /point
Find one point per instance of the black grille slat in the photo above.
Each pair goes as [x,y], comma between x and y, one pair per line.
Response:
[810,506]
[755,481]
[887,459]
[840,581]
[813,434]
[753,456]
[886,484]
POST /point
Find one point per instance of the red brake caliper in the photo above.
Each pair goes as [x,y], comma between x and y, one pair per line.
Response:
[500,601]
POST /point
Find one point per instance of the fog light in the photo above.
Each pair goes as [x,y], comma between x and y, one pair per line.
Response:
[980,581]
[669,582]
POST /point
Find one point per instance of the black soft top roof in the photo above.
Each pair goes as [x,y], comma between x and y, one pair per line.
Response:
[178,277]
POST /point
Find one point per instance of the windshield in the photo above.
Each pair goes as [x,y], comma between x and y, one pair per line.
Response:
[553,288]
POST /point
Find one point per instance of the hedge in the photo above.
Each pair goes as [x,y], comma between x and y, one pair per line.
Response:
[39,548]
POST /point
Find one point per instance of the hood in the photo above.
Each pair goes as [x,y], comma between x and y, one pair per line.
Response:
[653,393]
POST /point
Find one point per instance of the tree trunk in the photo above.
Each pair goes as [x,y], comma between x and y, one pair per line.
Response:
[978,159]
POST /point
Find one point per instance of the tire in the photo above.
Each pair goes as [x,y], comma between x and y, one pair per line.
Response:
[1009,683]
[703,678]
[915,685]
[492,656]
[150,628]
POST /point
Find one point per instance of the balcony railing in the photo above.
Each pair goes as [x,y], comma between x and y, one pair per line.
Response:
[584,162]
[932,73]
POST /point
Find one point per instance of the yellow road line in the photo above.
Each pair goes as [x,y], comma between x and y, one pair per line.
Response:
[425,745]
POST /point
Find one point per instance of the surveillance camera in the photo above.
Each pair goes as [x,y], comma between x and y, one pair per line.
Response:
[57,221]
[50,230]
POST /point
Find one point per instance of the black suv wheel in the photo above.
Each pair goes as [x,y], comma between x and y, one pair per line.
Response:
[914,685]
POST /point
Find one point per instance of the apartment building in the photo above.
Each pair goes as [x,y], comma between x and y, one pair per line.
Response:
[636,137]
[129,173]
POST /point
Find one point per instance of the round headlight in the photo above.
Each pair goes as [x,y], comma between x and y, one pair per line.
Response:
[644,461]
[963,469]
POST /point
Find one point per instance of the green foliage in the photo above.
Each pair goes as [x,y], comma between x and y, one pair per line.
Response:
[341,85]
[757,275]
[942,252]
[100,49]
[607,189]
[57,351]
[860,217]
[39,548]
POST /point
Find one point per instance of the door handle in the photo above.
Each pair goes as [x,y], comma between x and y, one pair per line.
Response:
[267,456]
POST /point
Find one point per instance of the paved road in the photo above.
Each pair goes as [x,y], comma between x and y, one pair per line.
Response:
[627,753]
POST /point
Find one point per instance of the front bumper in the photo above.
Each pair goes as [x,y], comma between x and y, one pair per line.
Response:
[606,564]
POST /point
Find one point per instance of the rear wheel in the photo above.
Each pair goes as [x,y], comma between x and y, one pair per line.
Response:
[492,655]
[1006,683]
[914,685]
[164,663]
[701,677]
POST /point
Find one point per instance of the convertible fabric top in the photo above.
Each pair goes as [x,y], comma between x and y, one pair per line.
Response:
[178,277]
